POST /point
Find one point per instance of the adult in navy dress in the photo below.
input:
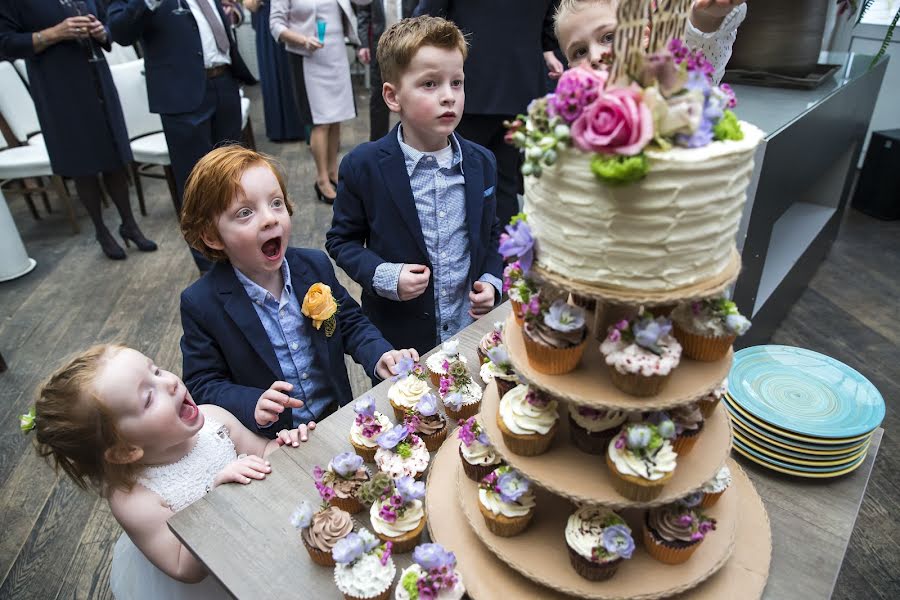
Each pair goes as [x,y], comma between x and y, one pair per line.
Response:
[193,69]
[77,105]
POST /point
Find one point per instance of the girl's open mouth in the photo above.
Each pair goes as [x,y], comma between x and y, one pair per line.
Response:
[189,410]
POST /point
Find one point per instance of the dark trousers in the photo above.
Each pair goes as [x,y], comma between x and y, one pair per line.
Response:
[378,111]
[191,135]
[488,131]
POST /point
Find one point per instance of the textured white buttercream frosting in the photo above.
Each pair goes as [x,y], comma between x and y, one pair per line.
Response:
[493,502]
[477,453]
[396,466]
[490,371]
[411,518]
[357,436]
[719,483]
[604,419]
[629,358]
[366,578]
[454,593]
[408,391]
[628,463]
[674,228]
[524,418]
[584,528]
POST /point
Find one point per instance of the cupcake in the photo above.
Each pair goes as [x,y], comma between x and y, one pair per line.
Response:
[673,532]
[432,575]
[320,531]
[427,423]
[401,453]
[364,569]
[641,459]
[491,339]
[591,429]
[641,354]
[438,364]
[461,395]
[399,516]
[497,367]
[715,487]
[341,481]
[476,452]
[598,540]
[555,338]
[688,424]
[506,501]
[519,289]
[707,328]
[409,385]
[709,402]
[527,420]
[367,426]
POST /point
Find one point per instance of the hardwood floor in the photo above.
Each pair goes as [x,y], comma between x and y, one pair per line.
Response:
[57,541]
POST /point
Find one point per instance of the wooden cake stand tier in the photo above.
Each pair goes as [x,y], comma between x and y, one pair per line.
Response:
[733,562]
[589,384]
[710,288]
[567,471]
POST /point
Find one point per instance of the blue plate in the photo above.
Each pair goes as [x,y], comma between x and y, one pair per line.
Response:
[804,392]
[792,454]
[820,471]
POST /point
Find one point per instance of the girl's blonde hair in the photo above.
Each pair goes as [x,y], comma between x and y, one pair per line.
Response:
[73,429]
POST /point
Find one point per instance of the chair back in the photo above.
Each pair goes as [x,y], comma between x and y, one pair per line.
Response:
[16,104]
[19,63]
[119,54]
[131,85]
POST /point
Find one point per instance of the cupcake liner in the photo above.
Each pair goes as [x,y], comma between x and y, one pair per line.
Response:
[367,454]
[552,361]
[637,384]
[465,411]
[481,355]
[665,553]
[636,488]
[352,505]
[399,411]
[517,312]
[591,442]
[320,557]
[703,348]
[502,525]
[593,571]
[435,378]
[406,542]
[433,441]
[476,472]
[385,595]
[710,499]
[708,407]
[504,386]
[531,444]
[684,442]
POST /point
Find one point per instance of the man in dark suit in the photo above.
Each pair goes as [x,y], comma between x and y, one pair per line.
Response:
[193,69]
[371,21]
[505,70]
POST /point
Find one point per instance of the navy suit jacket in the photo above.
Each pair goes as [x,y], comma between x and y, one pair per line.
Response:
[228,358]
[173,56]
[375,221]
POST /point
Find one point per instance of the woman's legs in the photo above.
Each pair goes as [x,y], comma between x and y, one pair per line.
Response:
[88,188]
[334,144]
[319,144]
[117,185]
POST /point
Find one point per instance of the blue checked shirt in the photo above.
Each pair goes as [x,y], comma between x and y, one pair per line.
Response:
[438,184]
[289,332]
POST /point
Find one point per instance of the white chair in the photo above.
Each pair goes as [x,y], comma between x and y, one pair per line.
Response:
[16,104]
[19,63]
[118,54]
[148,144]
[247,137]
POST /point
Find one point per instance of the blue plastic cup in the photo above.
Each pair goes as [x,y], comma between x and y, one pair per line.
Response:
[320,29]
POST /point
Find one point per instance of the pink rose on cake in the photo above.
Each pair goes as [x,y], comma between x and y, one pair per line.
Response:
[618,122]
[576,90]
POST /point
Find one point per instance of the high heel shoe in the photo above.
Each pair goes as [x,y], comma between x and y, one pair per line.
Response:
[322,197]
[133,234]
[110,247]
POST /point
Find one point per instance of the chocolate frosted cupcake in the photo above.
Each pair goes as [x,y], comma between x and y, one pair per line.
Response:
[498,368]
[320,531]
[427,423]
[591,429]
[688,425]
[673,532]
[598,541]
[340,482]
[708,328]
[641,354]
[555,338]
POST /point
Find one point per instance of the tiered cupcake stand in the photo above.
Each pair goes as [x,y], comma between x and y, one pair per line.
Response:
[732,561]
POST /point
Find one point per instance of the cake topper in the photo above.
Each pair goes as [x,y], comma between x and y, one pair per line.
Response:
[666,19]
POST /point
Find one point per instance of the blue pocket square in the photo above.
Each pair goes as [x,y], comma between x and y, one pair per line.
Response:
[488,191]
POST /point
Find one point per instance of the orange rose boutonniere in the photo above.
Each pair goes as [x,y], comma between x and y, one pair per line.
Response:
[320,306]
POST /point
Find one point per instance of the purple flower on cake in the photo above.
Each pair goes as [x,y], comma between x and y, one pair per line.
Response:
[617,539]
[564,317]
[575,90]
[737,324]
[499,356]
[409,489]
[467,430]
[346,464]
[517,242]
[433,556]
[302,515]
[348,549]
[511,485]
[637,437]
[325,492]
[454,400]
[365,406]
[692,500]
[404,368]
[533,307]
[427,405]
[536,398]
[390,438]
[618,122]
[649,331]
[370,542]
[387,512]
[512,274]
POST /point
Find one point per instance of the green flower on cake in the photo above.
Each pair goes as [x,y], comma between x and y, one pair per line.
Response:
[728,128]
[619,170]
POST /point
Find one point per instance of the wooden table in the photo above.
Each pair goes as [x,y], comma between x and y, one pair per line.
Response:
[243,534]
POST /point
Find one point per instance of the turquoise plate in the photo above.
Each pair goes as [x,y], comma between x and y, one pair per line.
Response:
[804,392]
[792,453]
[795,468]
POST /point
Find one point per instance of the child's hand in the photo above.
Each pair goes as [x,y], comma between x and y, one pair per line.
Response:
[273,402]
[243,470]
[387,364]
[707,15]
[482,299]
[294,436]
[554,67]
[413,281]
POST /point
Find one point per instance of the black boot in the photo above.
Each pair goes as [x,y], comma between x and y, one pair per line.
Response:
[109,246]
[133,234]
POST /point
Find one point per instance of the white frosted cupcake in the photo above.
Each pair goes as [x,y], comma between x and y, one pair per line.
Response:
[367,426]
[591,428]
[641,354]
[497,367]
[408,388]
[399,516]
[642,460]
[401,453]
[506,501]
[439,362]
[475,450]
[432,575]
[461,396]
[715,487]
[598,541]
[527,420]
[707,328]
[364,568]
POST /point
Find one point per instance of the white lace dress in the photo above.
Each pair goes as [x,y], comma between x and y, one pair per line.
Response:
[133,577]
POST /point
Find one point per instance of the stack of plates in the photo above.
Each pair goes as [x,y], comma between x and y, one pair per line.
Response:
[800,412]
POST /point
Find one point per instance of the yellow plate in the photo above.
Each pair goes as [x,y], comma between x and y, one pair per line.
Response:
[788,434]
[798,473]
[807,463]
[735,424]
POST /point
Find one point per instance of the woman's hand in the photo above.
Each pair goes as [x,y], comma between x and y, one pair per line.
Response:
[252,5]
[310,43]
[97,29]
[73,28]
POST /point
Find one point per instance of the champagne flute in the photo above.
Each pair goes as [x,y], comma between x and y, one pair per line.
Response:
[181,9]
[78,8]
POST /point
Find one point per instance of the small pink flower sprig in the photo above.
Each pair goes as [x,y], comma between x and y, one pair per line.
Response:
[354,546]
[365,417]
[326,492]
[470,431]
[439,572]
[506,482]
[644,330]
[345,466]
[405,491]
[456,378]
[698,523]
[407,367]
